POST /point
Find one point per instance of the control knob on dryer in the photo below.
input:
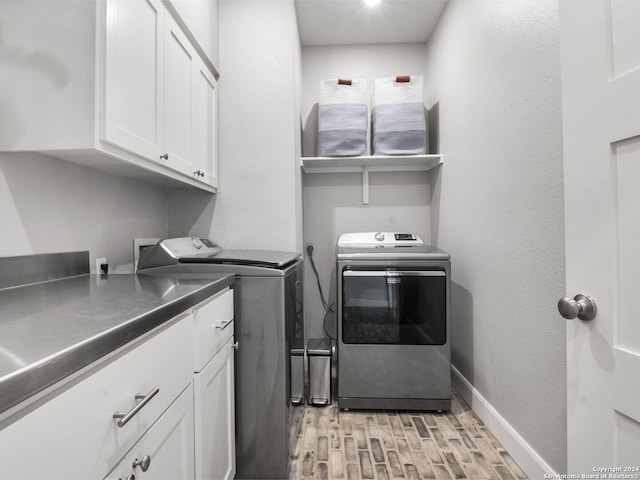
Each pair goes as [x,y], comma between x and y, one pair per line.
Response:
[379,236]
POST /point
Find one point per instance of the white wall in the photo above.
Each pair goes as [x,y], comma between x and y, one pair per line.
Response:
[494,68]
[333,202]
[258,204]
[49,205]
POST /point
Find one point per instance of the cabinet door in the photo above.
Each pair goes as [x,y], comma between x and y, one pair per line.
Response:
[179,58]
[168,446]
[206,125]
[202,19]
[133,81]
[214,410]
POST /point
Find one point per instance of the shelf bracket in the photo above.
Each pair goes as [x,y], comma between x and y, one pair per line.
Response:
[365,184]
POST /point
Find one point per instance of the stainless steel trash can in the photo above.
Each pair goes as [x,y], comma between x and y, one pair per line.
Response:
[297,372]
[319,356]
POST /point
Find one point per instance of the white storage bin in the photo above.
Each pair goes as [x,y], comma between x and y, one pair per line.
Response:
[398,125]
[343,118]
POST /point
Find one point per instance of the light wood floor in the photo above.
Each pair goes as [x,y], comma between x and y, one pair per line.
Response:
[382,445]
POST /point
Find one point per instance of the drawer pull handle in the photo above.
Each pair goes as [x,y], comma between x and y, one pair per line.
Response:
[235,346]
[223,325]
[143,400]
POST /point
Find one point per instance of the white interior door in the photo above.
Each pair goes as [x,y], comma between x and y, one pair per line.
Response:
[600,42]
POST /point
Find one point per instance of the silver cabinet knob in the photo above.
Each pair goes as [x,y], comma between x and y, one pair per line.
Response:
[581,306]
[165,156]
[143,464]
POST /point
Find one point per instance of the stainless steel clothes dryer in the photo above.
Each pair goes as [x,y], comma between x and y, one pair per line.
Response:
[393,323]
[268,304]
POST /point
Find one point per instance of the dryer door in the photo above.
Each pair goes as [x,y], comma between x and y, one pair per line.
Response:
[390,306]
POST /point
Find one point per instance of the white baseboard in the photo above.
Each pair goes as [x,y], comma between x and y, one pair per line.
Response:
[526,457]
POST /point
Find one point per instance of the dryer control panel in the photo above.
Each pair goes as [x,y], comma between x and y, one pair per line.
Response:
[373,239]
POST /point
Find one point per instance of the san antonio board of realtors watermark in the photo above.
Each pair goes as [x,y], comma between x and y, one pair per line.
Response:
[601,473]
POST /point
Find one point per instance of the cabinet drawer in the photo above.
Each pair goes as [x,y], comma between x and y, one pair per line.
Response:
[74,435]
[213,322]
[167,446]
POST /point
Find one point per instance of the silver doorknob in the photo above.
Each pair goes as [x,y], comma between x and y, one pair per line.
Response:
[581,306]
[143,464]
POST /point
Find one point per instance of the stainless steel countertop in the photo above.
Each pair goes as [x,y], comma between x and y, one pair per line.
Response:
[52,329]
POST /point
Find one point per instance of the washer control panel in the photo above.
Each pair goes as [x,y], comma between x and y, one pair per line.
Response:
[186,246]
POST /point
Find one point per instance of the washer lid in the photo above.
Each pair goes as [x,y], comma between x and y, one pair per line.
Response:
[173,251]
[264,258]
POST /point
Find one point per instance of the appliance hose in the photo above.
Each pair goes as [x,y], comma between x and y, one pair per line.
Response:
[327,308]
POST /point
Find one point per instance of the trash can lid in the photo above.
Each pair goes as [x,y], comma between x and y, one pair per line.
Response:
[319,347]
[297,347]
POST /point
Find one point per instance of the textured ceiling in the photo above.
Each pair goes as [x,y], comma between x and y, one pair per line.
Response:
[352,22]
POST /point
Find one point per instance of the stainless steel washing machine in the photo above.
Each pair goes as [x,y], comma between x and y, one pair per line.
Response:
[268,302]
[394,309]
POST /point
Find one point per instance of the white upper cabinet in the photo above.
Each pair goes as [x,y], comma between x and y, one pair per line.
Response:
[201,18]
[205,122]
[110,84]
[133,89]
[179,101]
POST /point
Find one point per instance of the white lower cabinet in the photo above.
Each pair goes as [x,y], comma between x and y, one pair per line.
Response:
[215,417]
[214,390]
[184,377]
[166,451]
[75,434]
[182,380]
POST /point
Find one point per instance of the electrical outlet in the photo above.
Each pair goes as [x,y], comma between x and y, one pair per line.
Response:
[100,261]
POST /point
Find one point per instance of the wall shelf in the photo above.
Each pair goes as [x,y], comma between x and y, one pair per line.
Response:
[370,163]
[373,163]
